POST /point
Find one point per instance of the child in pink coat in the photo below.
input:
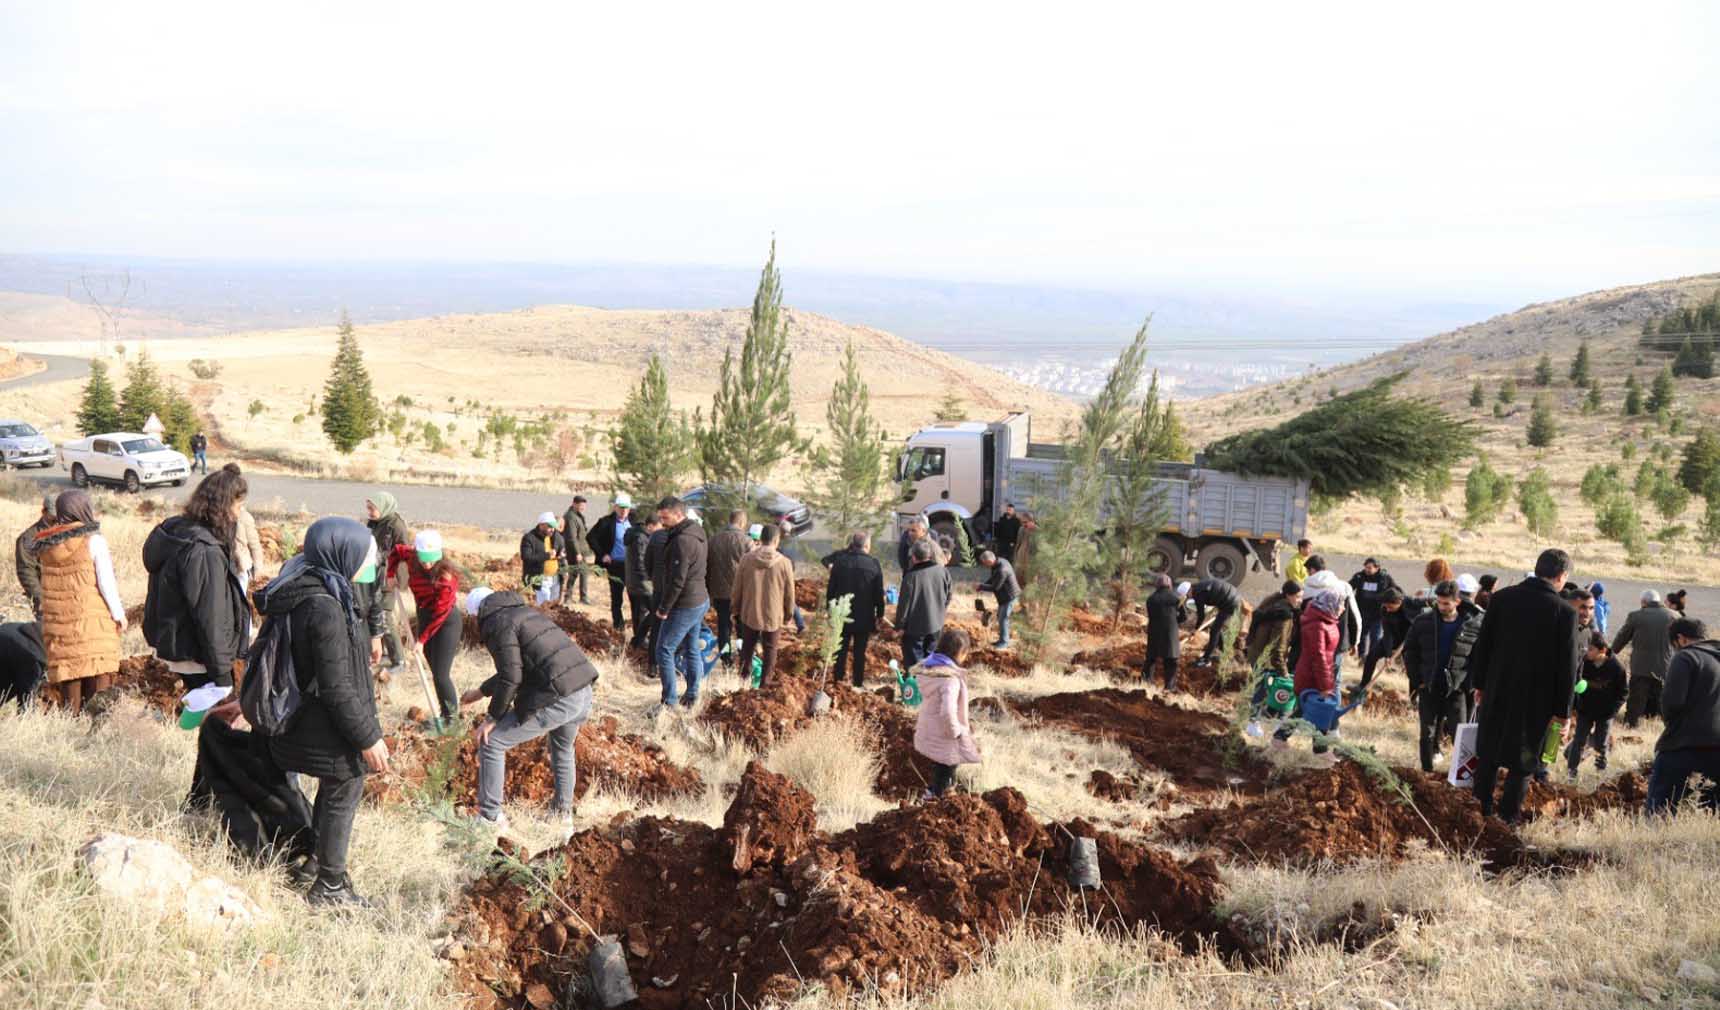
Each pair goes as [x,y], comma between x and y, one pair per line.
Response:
[943,734]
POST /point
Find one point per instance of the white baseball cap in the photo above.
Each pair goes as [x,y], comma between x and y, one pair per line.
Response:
[1468,585]
[546,518]
[1182,589]
[428,542]
[476,598]
[623,500]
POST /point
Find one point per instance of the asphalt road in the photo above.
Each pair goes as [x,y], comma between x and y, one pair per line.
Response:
[60,369]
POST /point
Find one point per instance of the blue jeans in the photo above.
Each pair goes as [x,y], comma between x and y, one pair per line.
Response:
[201,461]
[561,721]
[1667,782]
[679,633]
[1373,635]
[1004,609]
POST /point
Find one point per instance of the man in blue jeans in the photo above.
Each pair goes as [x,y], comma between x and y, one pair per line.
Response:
[678,579]
[1690,705]
[542,687]
[200,452]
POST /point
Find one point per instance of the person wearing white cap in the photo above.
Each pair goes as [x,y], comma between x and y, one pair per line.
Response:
[542,553]
[542,687]
[1467,586]
[435,589]
[1648,633]
[608,542]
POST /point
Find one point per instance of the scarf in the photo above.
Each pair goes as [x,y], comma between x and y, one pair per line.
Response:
[74,507]
[385,504]
[336,550]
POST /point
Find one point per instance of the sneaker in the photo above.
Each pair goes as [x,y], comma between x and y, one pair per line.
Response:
[928,796]
[336,893]
[1438,757]
[1254,729]
[689,700]
[1571,777]
[498,825]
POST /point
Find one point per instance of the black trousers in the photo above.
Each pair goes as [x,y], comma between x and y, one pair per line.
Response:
[1215,637]
[915,648]
[439,652]
[1511,801]
[332,817]
[1170,665]
[616,572]
[853,648]
[1589,729]
[943,778]
[726,627]
[1440,716]
[644,621]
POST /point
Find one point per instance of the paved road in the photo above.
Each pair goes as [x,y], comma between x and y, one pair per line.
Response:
[60,369]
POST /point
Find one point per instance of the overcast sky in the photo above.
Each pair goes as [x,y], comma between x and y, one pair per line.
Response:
[1504,148]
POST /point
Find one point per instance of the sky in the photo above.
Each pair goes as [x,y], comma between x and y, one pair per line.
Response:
[1488,149]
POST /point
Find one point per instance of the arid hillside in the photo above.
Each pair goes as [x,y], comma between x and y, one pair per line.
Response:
[1508,347]
[566,369]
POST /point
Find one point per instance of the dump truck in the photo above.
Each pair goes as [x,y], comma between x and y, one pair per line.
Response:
[1219,525]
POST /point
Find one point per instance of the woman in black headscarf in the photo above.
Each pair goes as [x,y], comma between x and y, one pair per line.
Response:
[334,735]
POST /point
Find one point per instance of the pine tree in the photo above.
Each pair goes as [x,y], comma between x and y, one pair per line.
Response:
[1632,396]
[1544,370]
[1660,394]
[1700,464]
[1708,532]
[1485,492]
[144,394]
[1543,426]
[1535,499]
[1134,503]
[950,408]
[1618,520]
[178,421]
[98,414]
[1694,360]
[1600,482]
[651,445]
[1593,404]
[1477,396]
[1508,390]
[752,424]
[1669,497]
[856,484]
[1580,365]
[350,411]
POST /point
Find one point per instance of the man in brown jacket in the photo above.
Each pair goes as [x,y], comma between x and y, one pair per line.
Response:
[728,546]
[763,599]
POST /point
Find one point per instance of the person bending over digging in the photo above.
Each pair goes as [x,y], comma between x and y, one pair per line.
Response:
[542,687]
[943,734]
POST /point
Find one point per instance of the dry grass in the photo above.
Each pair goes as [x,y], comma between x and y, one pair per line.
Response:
[831,760]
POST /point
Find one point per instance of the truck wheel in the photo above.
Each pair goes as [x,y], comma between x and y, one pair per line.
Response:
[1165,557]
[1221,561]
[948,540]
[79,477]
[132,484]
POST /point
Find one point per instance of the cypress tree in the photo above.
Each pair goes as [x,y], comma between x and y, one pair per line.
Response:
[99,413]
[1134,507]
[752,424]
[1592,404]
[853,467]
[143,394]
[1477,396]
[1694,360]
[179,421]
[1535,499]
[350,411]
[1632,396]
[1543,426]
[1508,390]
[1544,370]
[1580,365]
[950,408]
[1700,465]
[1660,394]
[651,445]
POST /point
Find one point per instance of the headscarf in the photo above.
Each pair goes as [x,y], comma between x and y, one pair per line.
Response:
[385,504]
[74,507]
[336,550]
[1327,601]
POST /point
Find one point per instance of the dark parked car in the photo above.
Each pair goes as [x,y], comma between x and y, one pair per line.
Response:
[766,501]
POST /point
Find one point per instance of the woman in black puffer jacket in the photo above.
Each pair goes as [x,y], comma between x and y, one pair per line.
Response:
[334,735]
[195,616]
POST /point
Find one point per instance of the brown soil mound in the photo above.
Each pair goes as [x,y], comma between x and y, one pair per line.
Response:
[1126,660]
[762,718]
[1189,747]
[1341,815]
[1106,786]
[809,595]
[1003,662]
[902,902]
[1545,799]
[597,638]
[149,678]
[603,757]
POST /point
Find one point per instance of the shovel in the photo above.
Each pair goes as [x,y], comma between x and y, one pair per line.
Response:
[435,708]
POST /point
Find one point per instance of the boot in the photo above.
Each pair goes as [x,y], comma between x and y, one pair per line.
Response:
[335,891]
[302,874]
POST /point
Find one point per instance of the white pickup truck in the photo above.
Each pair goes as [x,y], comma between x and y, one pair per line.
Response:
[133,461]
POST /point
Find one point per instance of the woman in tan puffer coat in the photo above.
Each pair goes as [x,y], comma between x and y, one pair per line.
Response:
[82,616]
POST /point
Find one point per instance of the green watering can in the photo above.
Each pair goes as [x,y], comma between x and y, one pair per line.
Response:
[907,685]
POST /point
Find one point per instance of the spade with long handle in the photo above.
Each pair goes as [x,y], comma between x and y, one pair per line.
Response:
[435,709]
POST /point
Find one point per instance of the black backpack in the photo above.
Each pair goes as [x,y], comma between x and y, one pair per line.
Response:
[270,695]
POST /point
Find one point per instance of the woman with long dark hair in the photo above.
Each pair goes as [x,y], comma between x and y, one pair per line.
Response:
[82,616]
[435,589]
[195,616]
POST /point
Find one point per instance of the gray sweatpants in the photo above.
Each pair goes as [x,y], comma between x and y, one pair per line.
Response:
[560,721]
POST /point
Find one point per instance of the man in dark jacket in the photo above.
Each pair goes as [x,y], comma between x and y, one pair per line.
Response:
[1524,666]
[639,539]
[855,573]
[1005,588]
[1224,599]
[29,566]
[195,615]
[728,547]
[574,530]
[200,452]
[681,601]
[542,687]
[1647,632]
[608,543]
[1164,631]
[923,603]
[1397,615]
[23,664]
[1370,586]
[388,527]
[542,553]
[1006,533]
[1690,705]
[334,735]
[1436,657]
[1604,690]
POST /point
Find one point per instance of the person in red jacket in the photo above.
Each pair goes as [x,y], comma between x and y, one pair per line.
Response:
[1316,667]
[435,590]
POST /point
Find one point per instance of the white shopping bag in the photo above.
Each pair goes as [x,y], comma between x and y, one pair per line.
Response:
[1463,756]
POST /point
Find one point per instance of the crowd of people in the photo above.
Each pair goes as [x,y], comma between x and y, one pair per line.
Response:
[1530,664]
